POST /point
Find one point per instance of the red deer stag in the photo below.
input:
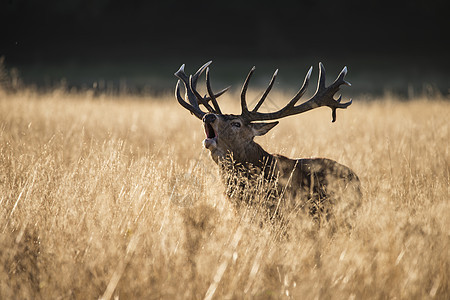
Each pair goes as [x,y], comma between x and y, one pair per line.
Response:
[252,175]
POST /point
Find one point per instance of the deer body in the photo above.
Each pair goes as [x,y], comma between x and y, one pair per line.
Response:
[278,184]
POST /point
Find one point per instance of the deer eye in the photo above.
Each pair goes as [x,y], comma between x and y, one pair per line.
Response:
[236,124]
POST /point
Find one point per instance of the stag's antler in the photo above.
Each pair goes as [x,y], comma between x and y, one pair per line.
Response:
[190,84]
[324,96]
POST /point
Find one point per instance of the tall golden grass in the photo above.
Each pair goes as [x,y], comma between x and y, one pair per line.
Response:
[114,197]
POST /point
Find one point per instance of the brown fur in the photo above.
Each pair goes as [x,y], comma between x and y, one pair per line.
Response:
[282,185]
[278,185]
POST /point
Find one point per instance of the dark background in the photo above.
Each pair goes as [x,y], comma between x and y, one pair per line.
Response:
[396,46]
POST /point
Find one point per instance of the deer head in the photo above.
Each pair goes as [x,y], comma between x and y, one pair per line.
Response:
[228,133]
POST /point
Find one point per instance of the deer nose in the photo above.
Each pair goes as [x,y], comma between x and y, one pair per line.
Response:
[209,118]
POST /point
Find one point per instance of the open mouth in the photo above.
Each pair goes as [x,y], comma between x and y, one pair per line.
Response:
[209,131]
[211,137]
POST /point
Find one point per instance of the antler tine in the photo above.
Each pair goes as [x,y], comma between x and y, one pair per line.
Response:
[218,94]
[199,72]
[211,93]
[302,90]
[321,80]
[327,93]
[190,85]
[260,102]
[340,80]
[181,74]
[195,110]
[341,77]
[193,86]
[193,83]
[324,96]
[197,75]
[337,82]
[188,94]
[192,94]
[244,91]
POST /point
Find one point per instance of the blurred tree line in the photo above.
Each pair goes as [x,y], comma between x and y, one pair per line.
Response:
[55,29]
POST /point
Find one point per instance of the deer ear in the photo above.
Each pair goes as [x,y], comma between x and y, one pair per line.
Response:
[262,128]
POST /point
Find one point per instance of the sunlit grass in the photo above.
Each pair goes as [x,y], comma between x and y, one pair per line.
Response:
[114,196]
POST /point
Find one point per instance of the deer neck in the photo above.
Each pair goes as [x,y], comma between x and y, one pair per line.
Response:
[244,172]
[255,155]
[251,156]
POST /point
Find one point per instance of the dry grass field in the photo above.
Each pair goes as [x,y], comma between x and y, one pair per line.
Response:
[114,197]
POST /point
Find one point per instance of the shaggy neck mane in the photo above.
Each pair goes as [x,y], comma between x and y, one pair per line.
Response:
[252,157]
